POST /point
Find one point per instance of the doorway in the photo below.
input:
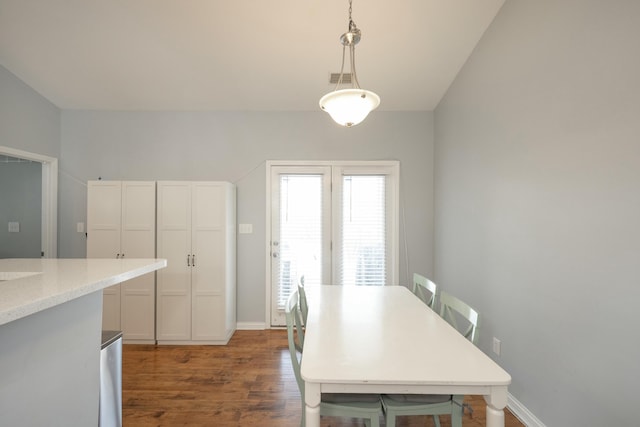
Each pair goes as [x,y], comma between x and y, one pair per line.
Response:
[49,197]
[20,208]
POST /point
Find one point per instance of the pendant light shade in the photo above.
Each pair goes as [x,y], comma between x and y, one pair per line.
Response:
[348,107]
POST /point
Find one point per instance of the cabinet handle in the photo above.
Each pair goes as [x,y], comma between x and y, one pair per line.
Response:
[193,263]
[188,260]
[117,256]
[121,255]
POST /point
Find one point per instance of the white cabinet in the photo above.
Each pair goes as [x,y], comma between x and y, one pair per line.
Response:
[196,292]
[121,223]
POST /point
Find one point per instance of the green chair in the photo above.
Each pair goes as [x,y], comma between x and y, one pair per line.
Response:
[395,405]
[424,289]
[365,406]
[296,334]
[449,306]
[304,306]
[303,312]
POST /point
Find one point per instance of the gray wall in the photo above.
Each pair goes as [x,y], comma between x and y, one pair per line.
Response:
[234,147]
[20,201]
[28,121]
[537,196]
[217,146]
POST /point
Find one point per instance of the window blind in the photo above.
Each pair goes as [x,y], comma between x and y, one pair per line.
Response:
[363,235]
[301,229]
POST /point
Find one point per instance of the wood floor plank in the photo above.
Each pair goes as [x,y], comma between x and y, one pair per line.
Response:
[248,382]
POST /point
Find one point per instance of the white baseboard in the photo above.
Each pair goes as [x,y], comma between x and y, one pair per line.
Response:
[250,326]
[522,413]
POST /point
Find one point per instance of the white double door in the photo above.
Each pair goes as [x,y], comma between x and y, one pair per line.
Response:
[121,223]
[333,223]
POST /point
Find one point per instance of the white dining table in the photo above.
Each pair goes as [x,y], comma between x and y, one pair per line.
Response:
[383,339]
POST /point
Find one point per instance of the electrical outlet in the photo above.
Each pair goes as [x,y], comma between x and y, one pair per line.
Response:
[14,227]
[496,346]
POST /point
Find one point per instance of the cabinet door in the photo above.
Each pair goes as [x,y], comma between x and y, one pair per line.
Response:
[208,276]
[104,206]
[174,244]
[138,219]
[138,241]
[103,239]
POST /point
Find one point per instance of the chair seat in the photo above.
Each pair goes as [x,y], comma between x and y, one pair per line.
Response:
[342,398]
[417,398]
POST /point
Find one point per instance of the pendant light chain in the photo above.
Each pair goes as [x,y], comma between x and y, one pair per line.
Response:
[348,107]
[353,32]
[352,29]
[352,25]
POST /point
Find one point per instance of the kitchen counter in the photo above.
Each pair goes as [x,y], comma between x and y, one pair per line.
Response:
[50,337]
[28,286]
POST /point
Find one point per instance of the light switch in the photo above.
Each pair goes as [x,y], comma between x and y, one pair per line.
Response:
[14,227]
[80,227]
[245,228]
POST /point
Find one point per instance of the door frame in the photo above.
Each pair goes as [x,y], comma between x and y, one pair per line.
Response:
[395,243]
[49,215]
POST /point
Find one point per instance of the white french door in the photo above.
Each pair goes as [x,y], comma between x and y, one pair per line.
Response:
[333,223]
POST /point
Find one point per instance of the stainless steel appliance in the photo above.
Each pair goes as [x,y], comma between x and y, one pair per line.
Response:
[111,379]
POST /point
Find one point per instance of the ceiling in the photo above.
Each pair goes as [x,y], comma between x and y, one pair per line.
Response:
[235,55]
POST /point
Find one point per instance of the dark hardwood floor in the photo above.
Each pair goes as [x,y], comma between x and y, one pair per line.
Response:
[249,382]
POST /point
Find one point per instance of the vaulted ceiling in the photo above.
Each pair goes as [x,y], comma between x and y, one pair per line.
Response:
[235,55]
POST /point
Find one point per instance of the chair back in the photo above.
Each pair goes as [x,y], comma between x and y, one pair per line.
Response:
[424,289]
[295,336]
[304,306]
[451,307]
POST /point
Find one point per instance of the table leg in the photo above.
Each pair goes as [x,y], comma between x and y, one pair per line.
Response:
[496,403]
[312,404]
[495,417]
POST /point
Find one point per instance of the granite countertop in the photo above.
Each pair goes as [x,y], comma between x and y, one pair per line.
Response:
[28,286]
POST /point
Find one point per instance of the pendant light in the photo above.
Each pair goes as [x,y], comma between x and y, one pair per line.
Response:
[348,107]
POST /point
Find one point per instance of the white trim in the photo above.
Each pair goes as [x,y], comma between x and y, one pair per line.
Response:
[522,413]
[342,163]
[267,244]
[251,326]
[49,238]
[50,209]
